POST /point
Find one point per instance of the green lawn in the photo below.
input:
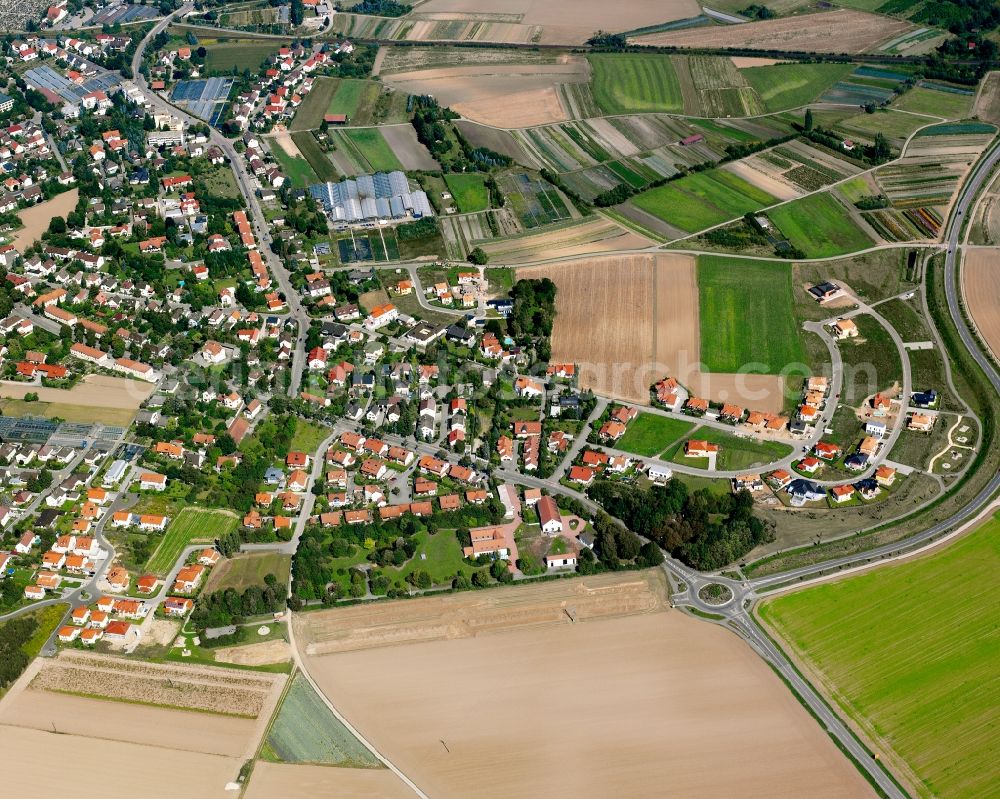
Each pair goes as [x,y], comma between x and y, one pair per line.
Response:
[191,525]
[784,86]
[442,562]
[632,83]
[702,200]
[296,168]
[738,327]
[910,653]
[305,731]
[239,55]
[242,571]
[931,101]
[819,226]
[650,434]
[307,437]
[469,191]
[734,453]
[373,147]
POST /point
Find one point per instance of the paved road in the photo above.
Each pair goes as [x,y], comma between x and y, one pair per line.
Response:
[262,230]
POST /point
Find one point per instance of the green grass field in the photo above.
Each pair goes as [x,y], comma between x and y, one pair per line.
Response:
[242,571]
[624,84]
[649,434]
[739,328]
[734,453]
[894,124]
[305,731]
[239,55]
[321,165]
[443,558]
[373,147]
[469,191]
[307,437]
[910,653]
[931,101]
[191,525]
[819,226]
[296,168]
[702,200]
[784,86]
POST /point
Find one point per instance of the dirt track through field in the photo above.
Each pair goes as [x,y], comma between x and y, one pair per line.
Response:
[650,705]
[981,286]
[628,321]
[837,31]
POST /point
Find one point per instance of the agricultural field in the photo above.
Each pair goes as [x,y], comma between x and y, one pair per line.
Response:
[936,616]
[954,104]
[306,731]
[229,56]
[784,86]
[702,200]
[625,635]
[294,166]
[644,309]
[242,571]
[981,289]
[635,83]
[576,237]
[988,99]
[651,433]
[469,191]
[737,329]
[534,201]
[837,31]
[190,526]
[365,149]
[820,226]
[895,125]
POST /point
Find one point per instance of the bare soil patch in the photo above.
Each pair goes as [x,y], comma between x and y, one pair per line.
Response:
[634,704]
[284,140]
[744,61]
[837,31]
[988,100]
[468,615]
[504,96]
[97,391]
[255,654]
[627,321]
[54,765]
[981,286]
[307,782]
[36,219]
[402,140]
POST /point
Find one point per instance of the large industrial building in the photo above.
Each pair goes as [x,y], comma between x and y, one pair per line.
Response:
[368,198]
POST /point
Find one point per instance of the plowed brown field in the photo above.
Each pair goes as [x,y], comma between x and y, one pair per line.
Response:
[650,705]
[840,31]
[981,285]
[628,321]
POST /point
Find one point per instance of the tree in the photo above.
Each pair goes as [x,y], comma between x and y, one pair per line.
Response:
[881,149]
[478,256]
[808,124]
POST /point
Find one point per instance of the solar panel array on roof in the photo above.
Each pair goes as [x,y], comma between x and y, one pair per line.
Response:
[369,197]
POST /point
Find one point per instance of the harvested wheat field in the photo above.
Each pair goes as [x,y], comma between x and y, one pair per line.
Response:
[628,321]
[36,219]
[640,705]
[96,391]
[504,96]
[827,32]
[62,765]
[981,287]
[307,782]
[988,100]
[467,615]
[589,235]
